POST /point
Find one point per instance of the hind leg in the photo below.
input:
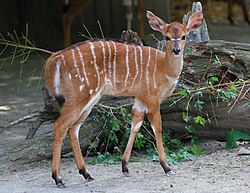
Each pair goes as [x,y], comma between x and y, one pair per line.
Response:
[69,116]
[73,133]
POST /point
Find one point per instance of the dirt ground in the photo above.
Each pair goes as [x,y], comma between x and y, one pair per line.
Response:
[218,170]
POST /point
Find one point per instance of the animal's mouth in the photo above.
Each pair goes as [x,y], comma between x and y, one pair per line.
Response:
[176,54]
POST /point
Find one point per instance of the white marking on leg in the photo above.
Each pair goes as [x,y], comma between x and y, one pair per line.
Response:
[127,66]
[83,66]
[91,102]
[136,66]
[92,47]
[154,75]
[90,91]
[147,70]
[57,80]
[153,128]
[114,65]
[139,106]
[137,127]
[77,131]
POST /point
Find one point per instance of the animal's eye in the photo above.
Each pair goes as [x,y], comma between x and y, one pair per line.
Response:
[167,38]
[183,37]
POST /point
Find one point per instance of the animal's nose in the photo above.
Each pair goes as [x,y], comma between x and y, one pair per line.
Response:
[176,50]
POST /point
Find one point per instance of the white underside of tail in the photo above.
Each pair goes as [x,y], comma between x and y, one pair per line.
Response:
[57,80]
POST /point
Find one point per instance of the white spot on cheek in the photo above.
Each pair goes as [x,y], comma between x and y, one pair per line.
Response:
[81,87]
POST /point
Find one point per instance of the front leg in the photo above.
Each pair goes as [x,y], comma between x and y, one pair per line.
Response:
[154,117]
[137,118]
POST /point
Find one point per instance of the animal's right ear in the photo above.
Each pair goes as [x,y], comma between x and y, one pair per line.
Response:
[155,22]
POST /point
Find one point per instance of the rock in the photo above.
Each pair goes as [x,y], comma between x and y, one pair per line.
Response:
[244,151]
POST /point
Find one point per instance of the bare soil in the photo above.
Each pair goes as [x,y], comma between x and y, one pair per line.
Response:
[218,170]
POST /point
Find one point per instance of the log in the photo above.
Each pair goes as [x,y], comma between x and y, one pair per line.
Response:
[234,57]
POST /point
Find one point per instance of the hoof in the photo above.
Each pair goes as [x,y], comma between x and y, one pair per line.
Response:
[170,173]
[86,175]
[89,178]
[126,174]
[125,167]
[60,185]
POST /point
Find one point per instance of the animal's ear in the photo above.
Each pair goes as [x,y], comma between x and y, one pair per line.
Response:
[194,21]
[155,22]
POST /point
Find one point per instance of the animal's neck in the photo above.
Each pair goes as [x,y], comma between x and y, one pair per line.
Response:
[174,65]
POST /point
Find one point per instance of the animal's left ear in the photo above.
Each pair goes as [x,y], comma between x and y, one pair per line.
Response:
[194,21]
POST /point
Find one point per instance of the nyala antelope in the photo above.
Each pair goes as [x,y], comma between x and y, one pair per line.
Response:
[82,73]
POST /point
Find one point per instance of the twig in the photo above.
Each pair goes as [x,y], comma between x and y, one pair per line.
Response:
[114,108]
[22,119]
[8,43]
[100,28]
[236,99]
[247,82]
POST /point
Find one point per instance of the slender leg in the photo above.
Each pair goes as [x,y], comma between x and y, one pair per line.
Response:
[73,136]
[137,118]
[68,117]
[154,117]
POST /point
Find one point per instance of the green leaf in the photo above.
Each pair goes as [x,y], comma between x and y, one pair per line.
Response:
[200,120]
[213,80]
[190,128]
[233,87]
[233,136]
[185,117]
[199,105]
[197,150]
[183,93]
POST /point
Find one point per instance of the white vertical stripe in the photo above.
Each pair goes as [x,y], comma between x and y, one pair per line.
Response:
[75,64]
[57,80]
[127,65]
[156,57]
[64,62]
[141,62]
[147,70]
[114,65]
[92,47]
[83,65]
[136,66]
[104,59]
[109,62]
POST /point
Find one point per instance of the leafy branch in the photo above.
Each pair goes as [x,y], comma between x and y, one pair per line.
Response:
[18,46]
